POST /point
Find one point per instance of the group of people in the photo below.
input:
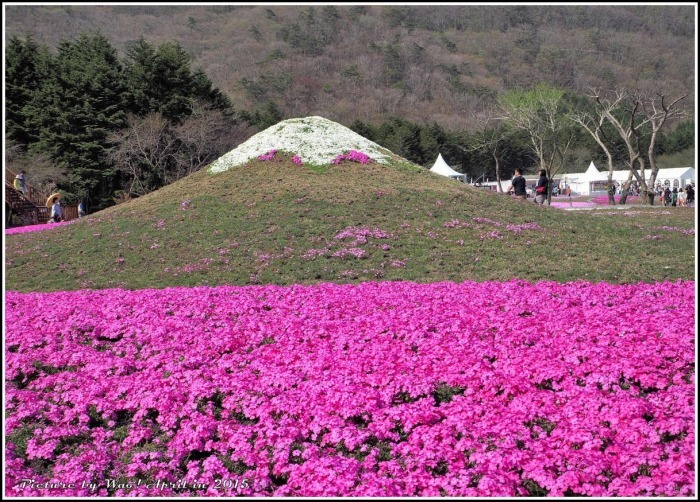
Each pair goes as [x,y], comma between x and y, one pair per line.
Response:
[20,184]
[57,211]
[669,197]
[518,186]
[676,197]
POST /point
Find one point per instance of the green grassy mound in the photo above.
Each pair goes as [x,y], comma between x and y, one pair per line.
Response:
[280,223]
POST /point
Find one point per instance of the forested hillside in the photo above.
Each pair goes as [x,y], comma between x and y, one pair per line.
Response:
[423,63]
[416,79]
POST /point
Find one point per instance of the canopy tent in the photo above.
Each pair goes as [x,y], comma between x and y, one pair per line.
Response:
[581,183]
[441,167]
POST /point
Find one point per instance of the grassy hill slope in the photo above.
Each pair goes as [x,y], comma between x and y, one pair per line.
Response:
[276,222]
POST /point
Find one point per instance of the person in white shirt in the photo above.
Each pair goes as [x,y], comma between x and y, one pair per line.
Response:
[56,212]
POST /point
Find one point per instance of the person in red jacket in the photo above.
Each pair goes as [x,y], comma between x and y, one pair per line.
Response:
[541,189]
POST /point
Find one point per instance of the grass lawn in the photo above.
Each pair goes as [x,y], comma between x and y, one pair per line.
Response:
[278,223]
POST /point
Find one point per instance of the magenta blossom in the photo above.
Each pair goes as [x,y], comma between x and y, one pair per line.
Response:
[354,156]
[268,156]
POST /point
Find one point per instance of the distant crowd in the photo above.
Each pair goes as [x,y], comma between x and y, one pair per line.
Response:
[685,197]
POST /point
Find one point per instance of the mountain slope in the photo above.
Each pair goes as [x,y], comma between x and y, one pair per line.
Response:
[424,63]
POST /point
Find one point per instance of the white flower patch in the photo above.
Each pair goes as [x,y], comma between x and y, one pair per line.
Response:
[315,139]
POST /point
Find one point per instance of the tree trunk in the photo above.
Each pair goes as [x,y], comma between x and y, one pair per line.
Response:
[498,173]
[647,196]
[611,194]
[624,192]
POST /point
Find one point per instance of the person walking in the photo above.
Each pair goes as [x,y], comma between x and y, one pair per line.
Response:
[667,196]
[81,209]
[690,196]
[541,189]
[20,183]
[56,212]
[517,185]
[681,197]
[674,196]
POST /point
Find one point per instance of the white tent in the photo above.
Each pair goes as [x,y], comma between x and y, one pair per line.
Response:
[673,177]
[581,183]
[441,167]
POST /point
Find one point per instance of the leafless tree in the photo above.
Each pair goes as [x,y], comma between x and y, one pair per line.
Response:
[628,127]
[152,152]
[203,137]
[658,110]
[593,124]
[143,148]
[633,115]
[494,134]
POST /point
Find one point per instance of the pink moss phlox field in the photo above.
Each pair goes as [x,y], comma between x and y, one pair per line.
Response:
[376,389]
[37,228]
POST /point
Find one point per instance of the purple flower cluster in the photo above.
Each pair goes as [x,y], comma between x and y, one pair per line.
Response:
[378,389]
[354,156]
[690,231]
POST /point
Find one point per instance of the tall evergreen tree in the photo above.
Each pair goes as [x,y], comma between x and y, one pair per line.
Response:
[27,67]
[77,109]
[139,74]
[160,79]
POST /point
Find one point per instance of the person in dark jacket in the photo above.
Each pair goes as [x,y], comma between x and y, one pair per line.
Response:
[517,186]
[689,195]
[541,189]
[667,196]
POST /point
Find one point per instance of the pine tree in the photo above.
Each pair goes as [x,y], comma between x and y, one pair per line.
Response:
[160,79]
[27,67]
[77,109]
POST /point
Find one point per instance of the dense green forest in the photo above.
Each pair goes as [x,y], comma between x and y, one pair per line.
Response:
[112,101]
